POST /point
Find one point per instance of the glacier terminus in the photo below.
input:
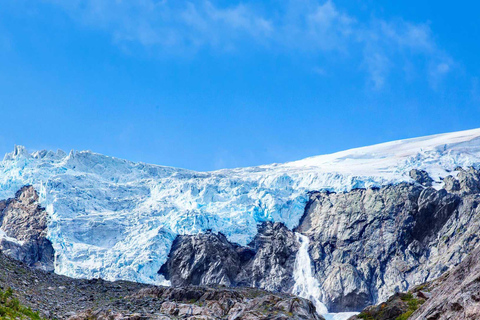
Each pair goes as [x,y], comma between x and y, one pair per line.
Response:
[115,219]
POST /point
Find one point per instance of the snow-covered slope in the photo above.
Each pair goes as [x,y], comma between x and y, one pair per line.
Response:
[116,219]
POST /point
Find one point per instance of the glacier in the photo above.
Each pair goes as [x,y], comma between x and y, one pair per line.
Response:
[116,219]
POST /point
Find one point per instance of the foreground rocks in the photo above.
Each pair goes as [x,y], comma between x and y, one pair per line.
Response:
[398,307]
[59,297]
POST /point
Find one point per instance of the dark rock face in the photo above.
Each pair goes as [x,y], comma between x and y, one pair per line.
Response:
[206,259]
[271,267]
[368,244]
[24,222]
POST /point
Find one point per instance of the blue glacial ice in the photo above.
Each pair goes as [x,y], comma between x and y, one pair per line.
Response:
[117,219]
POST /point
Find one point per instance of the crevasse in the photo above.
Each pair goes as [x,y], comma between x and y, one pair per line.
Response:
[117,219]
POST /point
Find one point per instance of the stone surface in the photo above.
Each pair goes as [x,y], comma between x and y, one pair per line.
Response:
[369,243]
[60,297]
[365,244]
[24,222]
[206,259]
[421,177]
[456,294]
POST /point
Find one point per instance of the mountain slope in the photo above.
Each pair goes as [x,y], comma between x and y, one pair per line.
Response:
[117,219]
[59,297]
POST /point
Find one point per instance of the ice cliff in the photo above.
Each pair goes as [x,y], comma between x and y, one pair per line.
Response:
[117,219]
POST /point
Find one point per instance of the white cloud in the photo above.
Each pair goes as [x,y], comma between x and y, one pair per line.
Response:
[378,66]
[294,26]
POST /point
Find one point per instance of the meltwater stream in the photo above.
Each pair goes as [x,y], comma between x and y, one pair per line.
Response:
[307,286]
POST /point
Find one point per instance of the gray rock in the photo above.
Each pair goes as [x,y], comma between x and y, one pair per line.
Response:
[25,221]
[203,259]
[455,295]
[421,177]
[206,259]
[271,267]
[368,244]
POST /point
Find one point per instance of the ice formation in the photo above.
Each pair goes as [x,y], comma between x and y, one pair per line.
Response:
[117,219]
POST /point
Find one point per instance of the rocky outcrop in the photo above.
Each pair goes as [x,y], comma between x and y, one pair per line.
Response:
[60,297]
[271,267]
[398,306]
[456,294]
[421,177]
[23,223]
[206,259]
[369,243]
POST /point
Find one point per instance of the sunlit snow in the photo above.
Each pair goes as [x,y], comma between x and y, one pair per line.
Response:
[116,219]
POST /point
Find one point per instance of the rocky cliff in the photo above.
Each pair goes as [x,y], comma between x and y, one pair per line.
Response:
[456,294]
[365,244]
[206,259]
[23,224]
[368,243]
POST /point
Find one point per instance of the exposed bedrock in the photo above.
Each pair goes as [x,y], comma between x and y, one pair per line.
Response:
[368,244]
[23,223]
[365,244]
[456,294]
[206,259]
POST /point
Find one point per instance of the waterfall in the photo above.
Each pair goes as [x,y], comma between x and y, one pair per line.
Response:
[307,286]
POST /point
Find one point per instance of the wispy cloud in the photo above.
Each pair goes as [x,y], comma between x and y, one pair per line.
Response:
[307,26]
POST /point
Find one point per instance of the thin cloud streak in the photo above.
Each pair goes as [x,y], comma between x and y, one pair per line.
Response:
[295,27]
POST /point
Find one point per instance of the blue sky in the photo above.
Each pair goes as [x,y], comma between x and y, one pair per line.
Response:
[212,84]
